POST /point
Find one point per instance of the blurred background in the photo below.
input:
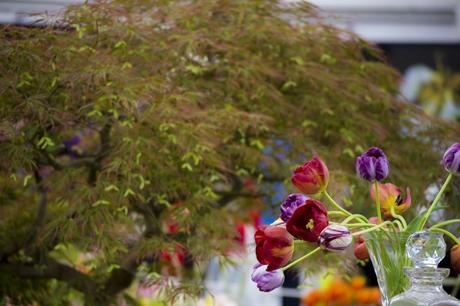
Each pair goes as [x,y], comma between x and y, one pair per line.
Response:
[421,38]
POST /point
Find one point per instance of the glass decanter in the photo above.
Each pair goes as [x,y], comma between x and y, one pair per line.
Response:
[426,250]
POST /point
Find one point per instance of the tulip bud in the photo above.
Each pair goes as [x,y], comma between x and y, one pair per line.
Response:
[312,177]
[373,165]
[267,280]
[335,237]
[451,159]
[290,204]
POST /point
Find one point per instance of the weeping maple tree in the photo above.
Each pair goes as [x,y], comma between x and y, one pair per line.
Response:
[130,129]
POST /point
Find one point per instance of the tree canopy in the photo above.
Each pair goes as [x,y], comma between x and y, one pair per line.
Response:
[128,116]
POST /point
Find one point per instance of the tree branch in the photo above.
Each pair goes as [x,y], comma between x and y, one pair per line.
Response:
[53,269]
[104,138]
[36,225]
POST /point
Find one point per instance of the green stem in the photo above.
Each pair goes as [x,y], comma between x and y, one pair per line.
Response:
[375,227]
[377,201]
[399,224]
[447,233]
[393,226]
[445,223]
[335,204]
[399,217]
[354,225]
[435,201]
[301,259]
[336,213]
[355,216]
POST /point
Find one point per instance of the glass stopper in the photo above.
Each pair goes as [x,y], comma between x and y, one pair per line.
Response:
[426,249]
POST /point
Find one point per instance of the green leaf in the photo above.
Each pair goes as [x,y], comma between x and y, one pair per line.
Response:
[414,225]
[111,187]
[26,179]
[196,70]
[100,202]
[128,192]
[120,44]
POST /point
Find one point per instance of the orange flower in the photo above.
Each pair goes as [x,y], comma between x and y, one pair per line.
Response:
[357,282]
[390,197]
[367,296]
[313,298]
[339,293]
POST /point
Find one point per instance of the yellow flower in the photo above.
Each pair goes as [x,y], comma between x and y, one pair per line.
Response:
[390,198]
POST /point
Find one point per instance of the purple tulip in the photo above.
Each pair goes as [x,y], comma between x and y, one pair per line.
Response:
[451,159]
[373,165]
[267,280]
[69,145]
[335,237]
[290,204]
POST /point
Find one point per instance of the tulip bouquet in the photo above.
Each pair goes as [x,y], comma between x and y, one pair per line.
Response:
[304,217]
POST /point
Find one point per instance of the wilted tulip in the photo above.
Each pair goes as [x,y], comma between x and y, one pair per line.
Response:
[372,165]
[290,204]
[455,258]
[335,238]
[451,159]
[390,196]
[312,177]
[308,220]
[267,280]
[274,246]
[361,251]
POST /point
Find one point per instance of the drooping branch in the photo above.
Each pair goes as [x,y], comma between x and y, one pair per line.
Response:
[35,226]
[104,138]
[52,269]
[122,277]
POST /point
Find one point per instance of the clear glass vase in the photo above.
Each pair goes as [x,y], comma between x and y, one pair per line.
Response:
[426,250]
[387,251]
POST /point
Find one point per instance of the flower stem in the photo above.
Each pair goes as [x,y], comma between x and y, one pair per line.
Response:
[355,216]
[301,259]
[445,223]
[447,233]
[435,201]
[399,217]
[335,204]
[355,224]
[336,213]
[375,227]
[377,201]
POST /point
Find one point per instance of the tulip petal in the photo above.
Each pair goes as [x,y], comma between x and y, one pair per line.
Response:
[312,177]
[451,159]
[308,221]
[274,246]
[372,165]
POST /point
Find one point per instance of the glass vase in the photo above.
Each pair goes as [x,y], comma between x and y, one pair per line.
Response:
[387,251]
[425,249]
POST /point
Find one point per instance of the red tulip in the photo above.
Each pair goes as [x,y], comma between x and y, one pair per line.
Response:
[308,220]
[274,246]
[312,177]
[361,251]
[455,258]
